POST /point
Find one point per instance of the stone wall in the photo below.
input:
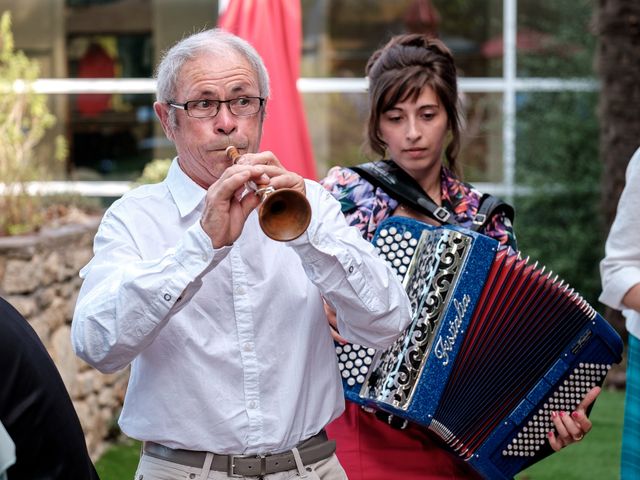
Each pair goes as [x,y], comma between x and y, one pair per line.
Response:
[39,277]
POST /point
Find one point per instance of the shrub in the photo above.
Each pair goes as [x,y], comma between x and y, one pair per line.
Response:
[155,171]
[24,121]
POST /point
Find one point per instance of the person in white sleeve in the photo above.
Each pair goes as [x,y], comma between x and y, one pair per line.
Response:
[7,452]
[233,368]
[620,274]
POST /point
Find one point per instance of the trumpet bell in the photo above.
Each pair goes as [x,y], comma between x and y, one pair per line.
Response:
[284,214]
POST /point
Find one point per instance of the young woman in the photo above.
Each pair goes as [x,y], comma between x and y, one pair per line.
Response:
[414,120]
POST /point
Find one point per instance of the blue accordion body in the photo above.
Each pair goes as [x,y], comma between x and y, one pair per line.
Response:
[495,345]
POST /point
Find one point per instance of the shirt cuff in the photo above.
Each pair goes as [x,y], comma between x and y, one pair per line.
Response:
[618,285]
[196,253]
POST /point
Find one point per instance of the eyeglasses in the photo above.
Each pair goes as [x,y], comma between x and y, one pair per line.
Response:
[241,106]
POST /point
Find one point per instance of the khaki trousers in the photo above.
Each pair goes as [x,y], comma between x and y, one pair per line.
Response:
[151,468]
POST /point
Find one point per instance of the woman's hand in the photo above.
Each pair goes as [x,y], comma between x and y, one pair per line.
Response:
[572,428]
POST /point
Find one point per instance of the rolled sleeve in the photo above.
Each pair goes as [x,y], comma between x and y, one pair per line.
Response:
[620,268]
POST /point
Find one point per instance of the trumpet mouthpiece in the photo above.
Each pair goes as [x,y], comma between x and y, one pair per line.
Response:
[232,153]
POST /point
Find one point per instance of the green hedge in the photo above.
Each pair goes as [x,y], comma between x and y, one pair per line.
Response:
[558,221]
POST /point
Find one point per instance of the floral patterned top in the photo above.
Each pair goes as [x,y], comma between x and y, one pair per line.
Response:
[365,205]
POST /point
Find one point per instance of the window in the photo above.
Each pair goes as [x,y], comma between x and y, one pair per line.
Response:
[511,55]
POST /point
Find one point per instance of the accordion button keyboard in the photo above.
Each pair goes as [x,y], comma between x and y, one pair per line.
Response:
[397,248]
[565,398]
[353,362]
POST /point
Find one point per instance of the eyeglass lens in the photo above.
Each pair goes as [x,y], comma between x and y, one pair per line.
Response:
[238,106]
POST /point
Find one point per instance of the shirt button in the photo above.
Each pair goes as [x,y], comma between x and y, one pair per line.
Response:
[248,347]
[204,258]
[252,404]
[240,291]
[167,297]
[351,269]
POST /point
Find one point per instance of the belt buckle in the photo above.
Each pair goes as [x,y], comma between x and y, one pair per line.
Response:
[231,465]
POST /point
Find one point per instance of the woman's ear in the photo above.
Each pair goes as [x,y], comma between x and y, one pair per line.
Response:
[448,137]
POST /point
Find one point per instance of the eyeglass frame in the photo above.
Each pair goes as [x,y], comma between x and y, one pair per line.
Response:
[185,106]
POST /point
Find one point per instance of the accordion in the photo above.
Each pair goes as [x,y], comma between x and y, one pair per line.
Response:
[495,345]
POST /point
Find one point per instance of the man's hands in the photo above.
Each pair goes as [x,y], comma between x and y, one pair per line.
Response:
[228,203]
[226,209]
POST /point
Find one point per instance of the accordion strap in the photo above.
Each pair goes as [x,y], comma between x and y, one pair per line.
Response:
[401,186]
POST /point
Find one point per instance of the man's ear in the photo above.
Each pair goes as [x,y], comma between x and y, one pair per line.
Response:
[263,114]
[162,112]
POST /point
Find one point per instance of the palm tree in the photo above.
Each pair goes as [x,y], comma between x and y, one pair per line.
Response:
[617,26]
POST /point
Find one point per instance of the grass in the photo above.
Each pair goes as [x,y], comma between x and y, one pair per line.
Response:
[120,461]
[597,456]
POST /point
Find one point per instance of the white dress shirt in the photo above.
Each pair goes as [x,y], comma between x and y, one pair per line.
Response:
[620,268]
[230,349]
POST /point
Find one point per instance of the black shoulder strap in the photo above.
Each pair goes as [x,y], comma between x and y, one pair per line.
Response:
[401,186]
[489,206]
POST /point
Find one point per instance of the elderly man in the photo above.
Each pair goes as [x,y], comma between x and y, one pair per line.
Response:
[233,366]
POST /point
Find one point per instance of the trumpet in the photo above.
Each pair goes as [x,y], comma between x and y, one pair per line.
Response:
[283,214]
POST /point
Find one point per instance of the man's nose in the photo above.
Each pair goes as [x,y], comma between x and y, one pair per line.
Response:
[225,121]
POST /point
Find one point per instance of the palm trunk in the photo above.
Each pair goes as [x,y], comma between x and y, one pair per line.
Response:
[617,24]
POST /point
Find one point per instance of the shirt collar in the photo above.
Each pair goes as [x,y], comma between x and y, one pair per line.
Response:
[185,192]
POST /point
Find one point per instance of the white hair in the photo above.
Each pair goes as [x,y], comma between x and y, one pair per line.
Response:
[197,44]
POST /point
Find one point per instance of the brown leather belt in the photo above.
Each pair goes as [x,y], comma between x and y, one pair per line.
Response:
[311,451]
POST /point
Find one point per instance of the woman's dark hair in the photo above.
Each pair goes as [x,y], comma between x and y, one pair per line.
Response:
[400,70]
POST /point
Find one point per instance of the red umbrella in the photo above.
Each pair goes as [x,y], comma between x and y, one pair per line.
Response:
[527,41]
[422,17]
[274,28]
